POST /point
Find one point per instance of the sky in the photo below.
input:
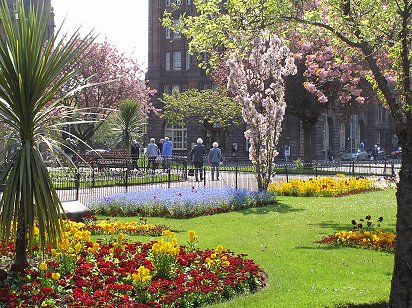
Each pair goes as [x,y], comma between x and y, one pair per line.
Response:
[123,23]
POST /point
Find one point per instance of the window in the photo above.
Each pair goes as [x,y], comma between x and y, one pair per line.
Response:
[178,2]
[167,2]
[188,2]
[176,33]
[175,88]
[167,61]
[177,61]
[187,60]
[167,89]
[381,114]
[178,135]
[167,32]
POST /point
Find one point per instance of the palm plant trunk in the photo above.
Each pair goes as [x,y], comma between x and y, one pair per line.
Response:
[20,260]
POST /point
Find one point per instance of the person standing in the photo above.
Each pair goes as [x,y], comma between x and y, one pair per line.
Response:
[152,152]
[167,150]
[134,154]
[160,145]
[215,156]
[196,156]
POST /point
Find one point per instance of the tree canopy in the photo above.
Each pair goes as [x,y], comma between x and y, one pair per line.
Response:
[200,107]
[115,77]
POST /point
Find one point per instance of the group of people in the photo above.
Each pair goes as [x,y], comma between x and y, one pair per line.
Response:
[162,153]
[162,150]
[196,156]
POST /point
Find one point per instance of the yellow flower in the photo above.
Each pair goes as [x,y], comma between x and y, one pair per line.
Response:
[55,276]
[54,253]
[43,266]
[95,246]
[213,255]
[219,248]
[192,236]
[120,237]
[78,247]
[226,263]
[168,233]
[36,231]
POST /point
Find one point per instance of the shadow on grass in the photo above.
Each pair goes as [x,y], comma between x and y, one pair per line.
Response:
[275,208]
[337,227]
[376,305]
[323,247]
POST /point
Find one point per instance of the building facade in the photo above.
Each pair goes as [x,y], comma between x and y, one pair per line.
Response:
[172,68]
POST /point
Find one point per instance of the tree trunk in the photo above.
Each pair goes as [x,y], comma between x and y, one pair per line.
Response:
[20,261]
[307,143]
[401,287]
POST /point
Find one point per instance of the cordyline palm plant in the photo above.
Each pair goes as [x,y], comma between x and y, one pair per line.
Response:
[31,73]
[128,122]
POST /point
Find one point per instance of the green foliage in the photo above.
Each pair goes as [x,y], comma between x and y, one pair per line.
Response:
[31,73]
[128,123]
[199,106]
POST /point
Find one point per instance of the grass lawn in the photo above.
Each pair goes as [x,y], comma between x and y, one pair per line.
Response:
[282,240]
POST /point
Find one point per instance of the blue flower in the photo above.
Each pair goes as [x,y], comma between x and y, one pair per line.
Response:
[180,202]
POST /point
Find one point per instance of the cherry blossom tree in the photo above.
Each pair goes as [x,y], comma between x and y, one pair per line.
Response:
[257,83]
[116,77]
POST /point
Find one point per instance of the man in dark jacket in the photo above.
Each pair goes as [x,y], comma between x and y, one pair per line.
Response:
[196,156]
[134,154]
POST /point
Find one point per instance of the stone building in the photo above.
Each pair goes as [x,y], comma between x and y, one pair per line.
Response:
[171,68]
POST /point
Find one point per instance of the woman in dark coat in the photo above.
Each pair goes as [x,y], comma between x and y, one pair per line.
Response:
[196,156]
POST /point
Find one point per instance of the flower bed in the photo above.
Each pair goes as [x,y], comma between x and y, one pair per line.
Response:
[140,227]
[180,202]
[367,239]
[115,273]
[364,234]
[335,186]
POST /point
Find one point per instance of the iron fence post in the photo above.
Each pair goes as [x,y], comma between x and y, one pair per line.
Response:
[236,174]
[168,177]
[127,176]
[286,172]
[77,184]
[93,179]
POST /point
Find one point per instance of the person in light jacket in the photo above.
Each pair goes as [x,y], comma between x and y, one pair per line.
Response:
[151,152]
[196,156]
[167,149]
[215,156]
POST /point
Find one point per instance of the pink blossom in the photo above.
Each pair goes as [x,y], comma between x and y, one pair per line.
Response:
[306,46]
[355,81]
[355,92]
[344,98]
[345,77]
[298,56]
[310,87]
[323,99]
[360,100]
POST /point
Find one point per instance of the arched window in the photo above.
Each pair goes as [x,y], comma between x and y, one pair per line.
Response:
[178,135]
